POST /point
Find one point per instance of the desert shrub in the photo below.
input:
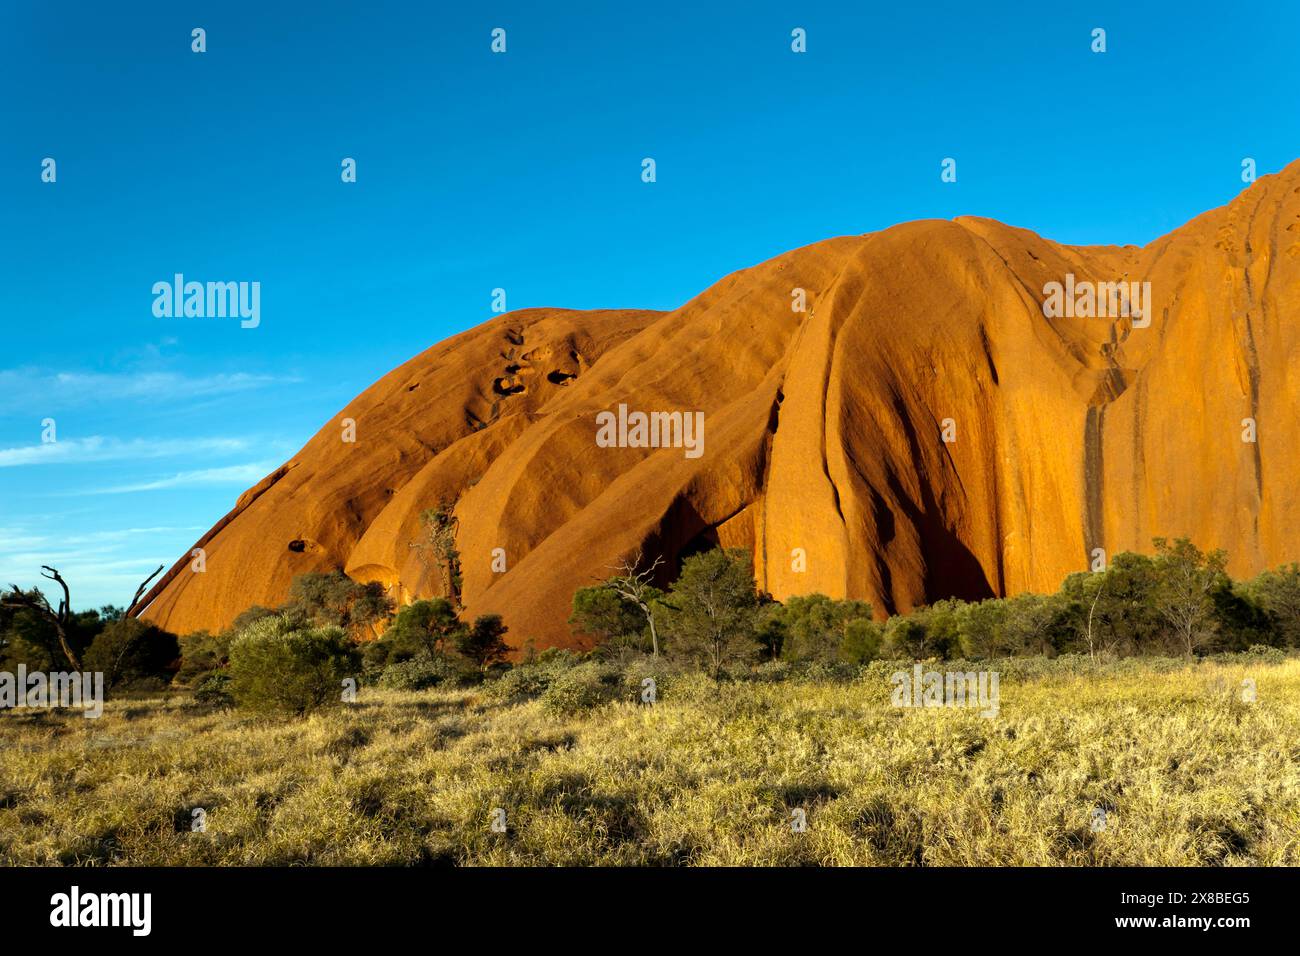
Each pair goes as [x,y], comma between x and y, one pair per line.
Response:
[905,636]
[1241,621]
[1255,654]
[581,689]
[425,629]
[1273,655]
[202,655]
[1277,594]
[377,655]
[713,611]
[30,639]
[429,626]
[771,672]
[1025,624]
[1028,668]
[861,641]
[675,681]
[276,665]
[251,615]
[824,672]
[1115,612]
[531,679]
[669,677]
[1187,582]
[484,643]
[769,628]
[981,628]
[334,600]
[518,683]
[816,627]
[600,612]
[422,672]
[215,689]
[691,687]
[131,651]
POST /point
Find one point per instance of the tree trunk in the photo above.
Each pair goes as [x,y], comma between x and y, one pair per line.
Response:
[67,649]
[654,635]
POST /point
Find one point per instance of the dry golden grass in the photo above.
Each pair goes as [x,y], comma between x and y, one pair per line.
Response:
[1187,773]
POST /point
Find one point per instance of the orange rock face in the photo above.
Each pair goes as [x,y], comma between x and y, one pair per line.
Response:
[922,429]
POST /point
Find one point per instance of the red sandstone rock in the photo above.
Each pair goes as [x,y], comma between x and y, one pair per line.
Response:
[823,431]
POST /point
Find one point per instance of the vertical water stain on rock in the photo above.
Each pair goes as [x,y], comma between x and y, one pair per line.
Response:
[1093,524]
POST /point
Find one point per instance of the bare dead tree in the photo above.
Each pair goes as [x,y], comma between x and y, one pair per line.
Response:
[634,585]
[36,601]
[61,619]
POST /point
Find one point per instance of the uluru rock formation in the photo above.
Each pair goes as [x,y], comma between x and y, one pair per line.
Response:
[824,430]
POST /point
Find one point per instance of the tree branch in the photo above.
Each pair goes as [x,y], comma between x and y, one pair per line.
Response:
[65,607]
[138,591]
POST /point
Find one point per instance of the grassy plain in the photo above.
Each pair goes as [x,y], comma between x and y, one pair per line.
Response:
[1186,771]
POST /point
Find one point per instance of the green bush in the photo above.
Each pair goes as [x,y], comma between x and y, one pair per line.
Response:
[772,672]
[581,689]
[1255,654]
[531,679]
[30,639]
[689,686]
[333,599]
[484,642]
[427,627]
[279,665]
[861,643]
[600,612]
[215,689]
[202,655]
[422,672]
[132,651]
[825,672]
[817,628]
[518,683]
[635,670]
[675,682]
[905,637]
[713,611]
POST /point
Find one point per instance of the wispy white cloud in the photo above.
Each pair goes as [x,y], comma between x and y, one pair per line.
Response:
[248,474]
[100,566]
[61,389]
[15,539]
[27,546]
[120,534]
[97,448]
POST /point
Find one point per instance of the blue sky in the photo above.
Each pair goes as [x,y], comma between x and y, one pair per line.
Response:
[519,171]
